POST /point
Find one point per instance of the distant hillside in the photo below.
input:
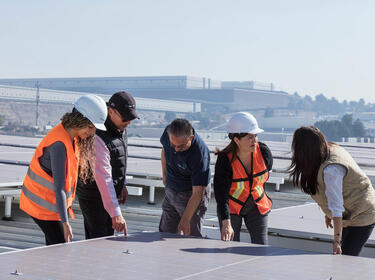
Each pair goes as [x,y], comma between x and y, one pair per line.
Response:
[24,113]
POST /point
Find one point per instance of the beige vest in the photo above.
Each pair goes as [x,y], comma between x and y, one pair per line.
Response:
[358,193]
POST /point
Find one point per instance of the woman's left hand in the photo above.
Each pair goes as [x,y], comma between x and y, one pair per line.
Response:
[336,248]
[68,233]
[227,232]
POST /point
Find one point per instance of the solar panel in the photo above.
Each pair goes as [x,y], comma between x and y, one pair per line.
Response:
[153,255]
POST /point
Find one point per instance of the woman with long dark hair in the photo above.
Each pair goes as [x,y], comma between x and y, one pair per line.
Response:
[64,154]
[241,171]
[330,175]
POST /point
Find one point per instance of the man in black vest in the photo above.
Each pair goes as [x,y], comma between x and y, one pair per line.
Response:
[99,199]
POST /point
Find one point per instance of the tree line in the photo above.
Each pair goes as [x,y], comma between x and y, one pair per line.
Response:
[346,127]
[324,106]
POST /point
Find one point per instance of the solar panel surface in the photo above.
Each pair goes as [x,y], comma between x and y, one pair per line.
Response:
[168,256]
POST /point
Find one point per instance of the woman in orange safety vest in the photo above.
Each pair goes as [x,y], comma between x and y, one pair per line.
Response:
[63,154]
[241,171]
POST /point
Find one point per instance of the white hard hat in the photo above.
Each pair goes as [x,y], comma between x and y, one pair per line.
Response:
[94,108]
[243,122]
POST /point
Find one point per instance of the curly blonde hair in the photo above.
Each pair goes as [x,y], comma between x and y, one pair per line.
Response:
[75,120]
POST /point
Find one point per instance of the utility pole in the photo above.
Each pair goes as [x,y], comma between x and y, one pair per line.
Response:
[37,85]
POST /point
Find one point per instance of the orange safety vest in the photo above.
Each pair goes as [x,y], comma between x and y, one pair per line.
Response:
[38,196]
[244,184]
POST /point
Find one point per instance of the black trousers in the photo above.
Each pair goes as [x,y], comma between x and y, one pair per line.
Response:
[97,222]
[354,238]
[53,231]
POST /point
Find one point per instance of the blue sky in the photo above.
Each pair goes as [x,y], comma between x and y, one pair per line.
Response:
[312,47]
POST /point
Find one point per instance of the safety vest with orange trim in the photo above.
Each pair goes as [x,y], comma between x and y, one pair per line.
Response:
[244,184]
[38,196]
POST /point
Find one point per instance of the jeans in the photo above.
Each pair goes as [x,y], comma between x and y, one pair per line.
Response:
[256,224]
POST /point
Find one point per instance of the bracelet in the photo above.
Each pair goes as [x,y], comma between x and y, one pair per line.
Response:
[336,241]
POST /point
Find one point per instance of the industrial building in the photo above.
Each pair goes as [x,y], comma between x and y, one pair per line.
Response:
[213,95]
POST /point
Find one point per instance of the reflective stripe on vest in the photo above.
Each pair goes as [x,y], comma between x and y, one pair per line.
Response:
[47,184]
[239,190]
[249,186]
[258,189]
[36,199]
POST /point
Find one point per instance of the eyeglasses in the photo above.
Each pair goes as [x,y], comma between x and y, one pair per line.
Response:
[181,146]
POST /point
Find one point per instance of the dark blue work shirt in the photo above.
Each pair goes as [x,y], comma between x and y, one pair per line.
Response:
[188,168]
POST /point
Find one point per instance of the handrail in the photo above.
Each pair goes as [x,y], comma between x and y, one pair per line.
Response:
[23,163]
[18,145]
[159,146]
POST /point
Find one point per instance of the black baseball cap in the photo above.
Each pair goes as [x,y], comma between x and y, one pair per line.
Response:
[124,103]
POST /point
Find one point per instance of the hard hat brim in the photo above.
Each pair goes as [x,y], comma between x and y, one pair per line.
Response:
[100,126]
[256,131]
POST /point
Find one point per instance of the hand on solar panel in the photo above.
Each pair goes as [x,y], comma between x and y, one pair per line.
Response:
[227,232]
[183,227]
[119,224]
[336,248]
[68,234]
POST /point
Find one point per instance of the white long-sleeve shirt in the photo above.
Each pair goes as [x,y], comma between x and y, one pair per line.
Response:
[103,178]
[333,176]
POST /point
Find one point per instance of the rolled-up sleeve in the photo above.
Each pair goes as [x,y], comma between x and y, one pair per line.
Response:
[103,178]
[333,178]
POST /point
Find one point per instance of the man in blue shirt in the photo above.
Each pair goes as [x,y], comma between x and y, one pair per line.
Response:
[185,162]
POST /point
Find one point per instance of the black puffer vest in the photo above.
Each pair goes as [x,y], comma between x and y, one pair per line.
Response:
[117,144]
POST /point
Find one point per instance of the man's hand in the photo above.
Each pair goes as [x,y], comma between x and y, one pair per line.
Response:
[192,205]
[227,232]
[119,224]
[183,227]
[328,222]
[68,233]
[123,195]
